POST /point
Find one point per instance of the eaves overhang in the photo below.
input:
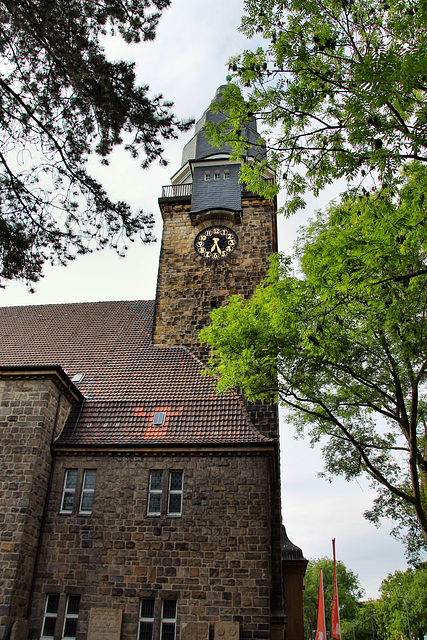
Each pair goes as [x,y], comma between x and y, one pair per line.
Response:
[267,448]
[217,213]
[54,373]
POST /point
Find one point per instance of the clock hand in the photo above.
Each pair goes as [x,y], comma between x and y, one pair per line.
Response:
[215,245]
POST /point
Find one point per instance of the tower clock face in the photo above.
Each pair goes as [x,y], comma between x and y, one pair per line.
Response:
[215,243]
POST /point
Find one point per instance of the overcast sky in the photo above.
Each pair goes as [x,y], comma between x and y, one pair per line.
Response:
[187,62]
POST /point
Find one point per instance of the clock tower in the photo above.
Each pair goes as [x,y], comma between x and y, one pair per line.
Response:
[217,237]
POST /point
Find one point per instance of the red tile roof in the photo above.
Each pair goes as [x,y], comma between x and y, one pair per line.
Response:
[125,379]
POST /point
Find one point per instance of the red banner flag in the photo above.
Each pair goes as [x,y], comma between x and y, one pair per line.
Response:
[335,626]
[321,621]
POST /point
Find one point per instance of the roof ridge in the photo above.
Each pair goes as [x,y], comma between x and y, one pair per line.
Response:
[69,304]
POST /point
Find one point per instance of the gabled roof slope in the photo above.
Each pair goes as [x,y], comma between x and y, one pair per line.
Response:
[125,379]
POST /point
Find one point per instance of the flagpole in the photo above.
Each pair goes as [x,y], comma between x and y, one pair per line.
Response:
[335,621]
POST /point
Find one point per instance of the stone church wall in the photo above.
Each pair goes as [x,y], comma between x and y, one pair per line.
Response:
[189,286]
[215,559]
[28,408]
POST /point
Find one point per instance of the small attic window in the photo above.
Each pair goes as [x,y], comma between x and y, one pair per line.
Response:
[78,377]
[217,174]
[207,176]
[226,175]
[159,418]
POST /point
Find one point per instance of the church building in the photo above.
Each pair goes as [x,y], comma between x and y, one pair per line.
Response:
[135,502]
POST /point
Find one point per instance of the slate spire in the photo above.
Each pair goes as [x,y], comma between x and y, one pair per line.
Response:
[214,178]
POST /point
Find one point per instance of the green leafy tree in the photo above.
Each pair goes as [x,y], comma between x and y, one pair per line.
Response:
[342,344]
[349,592]
[364,626]
[340,87]
[392,616]
[62,101]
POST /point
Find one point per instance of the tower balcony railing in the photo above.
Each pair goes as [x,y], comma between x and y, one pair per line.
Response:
[176,190]
[185,190]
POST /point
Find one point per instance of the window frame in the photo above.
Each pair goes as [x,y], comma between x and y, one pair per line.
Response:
[155,492]
[159,419]
[84,491]
[49,615]
[174,492]
[70,616]
[146,619]
[68,490]
[165,493]
[169,621]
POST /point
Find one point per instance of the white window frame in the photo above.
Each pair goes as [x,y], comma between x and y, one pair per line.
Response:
[86,492]
[226,174]
[172,492]
[144,618]
[164,620]
[217,174]
[69,616]
[159,418]
[68,490]
[50,614]
[207,176]
[155,492]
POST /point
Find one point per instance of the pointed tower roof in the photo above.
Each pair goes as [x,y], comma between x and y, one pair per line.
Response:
[199,146]
[212,178]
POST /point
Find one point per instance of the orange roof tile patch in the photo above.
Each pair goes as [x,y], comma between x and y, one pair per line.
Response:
[155,433]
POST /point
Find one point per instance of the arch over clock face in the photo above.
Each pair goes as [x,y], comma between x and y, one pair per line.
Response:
[215,243]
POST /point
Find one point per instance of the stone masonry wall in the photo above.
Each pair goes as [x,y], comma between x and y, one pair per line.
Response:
[27,415]
[215,559]
[189,286]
